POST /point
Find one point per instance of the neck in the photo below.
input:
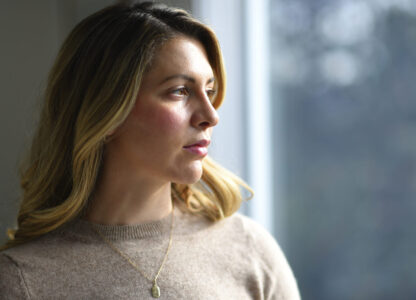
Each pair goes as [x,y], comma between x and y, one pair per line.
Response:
[123,198]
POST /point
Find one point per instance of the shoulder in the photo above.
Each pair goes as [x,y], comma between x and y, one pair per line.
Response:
[12,284]
[266,254]
[261,242]
[45,252]
[27,270]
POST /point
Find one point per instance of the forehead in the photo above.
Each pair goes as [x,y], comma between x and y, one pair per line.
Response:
[181,55]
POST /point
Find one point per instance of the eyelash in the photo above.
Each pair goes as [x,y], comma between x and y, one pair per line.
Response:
[185,92]
[181,89]
[211,93]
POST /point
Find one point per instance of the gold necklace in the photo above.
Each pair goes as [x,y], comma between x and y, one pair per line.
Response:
[155,290]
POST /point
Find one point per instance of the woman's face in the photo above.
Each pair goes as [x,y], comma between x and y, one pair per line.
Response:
[173,110]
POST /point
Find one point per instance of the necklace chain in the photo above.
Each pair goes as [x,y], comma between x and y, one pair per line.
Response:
[155,288]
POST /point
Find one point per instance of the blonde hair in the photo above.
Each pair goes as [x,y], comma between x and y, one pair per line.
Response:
[91,89]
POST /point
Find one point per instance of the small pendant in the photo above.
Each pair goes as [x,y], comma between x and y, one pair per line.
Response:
[155,290]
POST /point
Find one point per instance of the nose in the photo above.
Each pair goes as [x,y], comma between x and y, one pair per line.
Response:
[205,115]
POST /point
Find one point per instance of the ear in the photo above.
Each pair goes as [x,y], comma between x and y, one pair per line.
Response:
[111,132]
[109,135]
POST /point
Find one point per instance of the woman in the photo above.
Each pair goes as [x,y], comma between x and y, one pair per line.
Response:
[120,199]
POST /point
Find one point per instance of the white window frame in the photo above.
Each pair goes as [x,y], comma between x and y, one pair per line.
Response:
[242,27]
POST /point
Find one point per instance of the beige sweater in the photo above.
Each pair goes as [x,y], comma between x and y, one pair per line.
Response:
[231,259]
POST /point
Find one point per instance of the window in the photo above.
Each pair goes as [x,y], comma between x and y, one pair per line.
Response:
[340,121]
[343,75]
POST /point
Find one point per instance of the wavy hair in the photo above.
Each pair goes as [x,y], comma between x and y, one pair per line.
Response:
[91,89]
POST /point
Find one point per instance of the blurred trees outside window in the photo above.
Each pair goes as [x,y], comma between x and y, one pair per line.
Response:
[344,73]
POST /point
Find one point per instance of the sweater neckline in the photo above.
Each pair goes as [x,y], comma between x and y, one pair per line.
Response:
[128,232]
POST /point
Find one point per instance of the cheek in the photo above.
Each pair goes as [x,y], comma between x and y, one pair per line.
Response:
[169,120]
[161,119]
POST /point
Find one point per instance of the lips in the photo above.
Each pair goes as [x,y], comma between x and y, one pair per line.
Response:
[201,143]
[199,148]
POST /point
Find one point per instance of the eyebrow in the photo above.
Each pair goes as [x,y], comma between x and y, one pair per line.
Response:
[186,77]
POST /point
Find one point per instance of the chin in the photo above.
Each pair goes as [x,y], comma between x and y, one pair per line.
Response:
[189,180]
[189,176]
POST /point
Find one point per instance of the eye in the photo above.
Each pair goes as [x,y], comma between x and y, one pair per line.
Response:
[181,92]
[211,93]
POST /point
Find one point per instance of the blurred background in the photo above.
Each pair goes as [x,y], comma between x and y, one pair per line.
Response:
[320,118]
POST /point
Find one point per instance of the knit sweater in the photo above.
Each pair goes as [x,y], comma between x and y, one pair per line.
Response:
[234,258]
